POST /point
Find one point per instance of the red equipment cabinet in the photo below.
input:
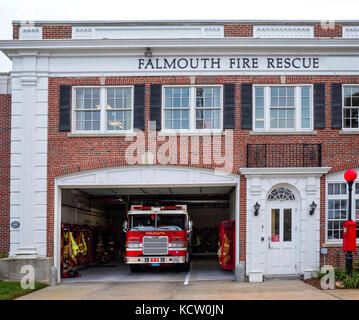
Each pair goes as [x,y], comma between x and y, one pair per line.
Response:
[227,240]
[349,235]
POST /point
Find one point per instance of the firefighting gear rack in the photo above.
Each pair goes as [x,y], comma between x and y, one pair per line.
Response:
[226,251]
[83,245]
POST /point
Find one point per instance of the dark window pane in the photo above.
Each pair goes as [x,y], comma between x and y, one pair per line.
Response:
[287,225]
[275,225]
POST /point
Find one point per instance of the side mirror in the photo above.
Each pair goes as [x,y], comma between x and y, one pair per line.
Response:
[125,225]
[189,225]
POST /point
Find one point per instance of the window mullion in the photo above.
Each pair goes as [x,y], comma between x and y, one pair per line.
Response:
[298,108]
[103,102]
[192,106]
[74,117]
[221,107]
[267,108]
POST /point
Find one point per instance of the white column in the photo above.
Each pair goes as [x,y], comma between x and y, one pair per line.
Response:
[28,79]
[27,247]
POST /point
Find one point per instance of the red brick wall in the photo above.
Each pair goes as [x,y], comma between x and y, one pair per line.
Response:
[238,30]
[73,154]
[319,31]
[5,109]
[336,257]
[15,31]
[56,32]
[49,31]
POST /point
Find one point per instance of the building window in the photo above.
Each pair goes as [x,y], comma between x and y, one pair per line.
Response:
[87,110]
[103,110]
[192,108]
[208,108]
[281,194]
[351,107]
[119,109]
[282,108]
[337,212]
[177,108]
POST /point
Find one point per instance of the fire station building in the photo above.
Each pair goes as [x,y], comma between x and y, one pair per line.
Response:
[247,121]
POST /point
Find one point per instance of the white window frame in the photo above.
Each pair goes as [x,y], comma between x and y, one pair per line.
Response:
[103,111]
[344,128]
[297,108]
[192,109]
[339,197]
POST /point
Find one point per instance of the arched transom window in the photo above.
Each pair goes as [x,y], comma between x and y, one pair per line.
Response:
[281,194]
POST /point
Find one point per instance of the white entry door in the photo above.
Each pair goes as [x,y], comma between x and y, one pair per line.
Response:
[281,250]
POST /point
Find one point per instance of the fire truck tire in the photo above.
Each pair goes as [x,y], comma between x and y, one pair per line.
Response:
[185,267]
[135,267]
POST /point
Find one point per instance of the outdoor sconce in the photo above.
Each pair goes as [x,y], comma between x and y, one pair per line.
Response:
[148,53]
[313,206]
[256,208]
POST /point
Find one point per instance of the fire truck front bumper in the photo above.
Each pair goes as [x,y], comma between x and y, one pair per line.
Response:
[149,259]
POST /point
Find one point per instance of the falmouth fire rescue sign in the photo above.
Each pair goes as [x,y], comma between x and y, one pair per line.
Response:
[230,63]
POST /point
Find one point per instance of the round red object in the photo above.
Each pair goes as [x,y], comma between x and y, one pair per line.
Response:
[350,175]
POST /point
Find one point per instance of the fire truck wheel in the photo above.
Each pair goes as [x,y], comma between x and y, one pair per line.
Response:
[185,267]
[135,267]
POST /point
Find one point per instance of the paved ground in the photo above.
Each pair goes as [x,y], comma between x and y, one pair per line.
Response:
[202,268]
[211,290]
[206,280]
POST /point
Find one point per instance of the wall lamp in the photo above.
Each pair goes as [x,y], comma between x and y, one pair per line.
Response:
[256,208]
[148,53]
[313,206]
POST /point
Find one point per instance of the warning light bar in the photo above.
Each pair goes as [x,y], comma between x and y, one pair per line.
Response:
[140,208]
[157,209]
[172,208]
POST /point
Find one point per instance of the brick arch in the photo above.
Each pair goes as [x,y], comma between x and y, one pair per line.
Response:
[106,163]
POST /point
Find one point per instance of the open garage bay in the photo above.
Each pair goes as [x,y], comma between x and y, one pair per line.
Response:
[100,212]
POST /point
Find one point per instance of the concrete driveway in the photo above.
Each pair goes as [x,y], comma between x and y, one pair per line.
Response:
[201,269]
[211,290]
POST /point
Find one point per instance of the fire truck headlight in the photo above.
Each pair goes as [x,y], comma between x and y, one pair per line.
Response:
[134,245]
[178,245]
[133,242]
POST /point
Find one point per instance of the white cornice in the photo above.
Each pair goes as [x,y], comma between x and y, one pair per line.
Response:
[78,44]
[284,171]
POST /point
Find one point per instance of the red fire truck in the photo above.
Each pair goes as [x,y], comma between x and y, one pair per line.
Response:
[158,236]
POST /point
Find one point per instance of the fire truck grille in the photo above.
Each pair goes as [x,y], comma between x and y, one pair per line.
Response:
[155,245]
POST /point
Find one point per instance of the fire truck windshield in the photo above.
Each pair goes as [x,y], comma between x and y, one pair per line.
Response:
[171,221]
[158,221]
[143,221]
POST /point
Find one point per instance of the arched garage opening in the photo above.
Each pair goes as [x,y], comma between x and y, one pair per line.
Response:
[100,199]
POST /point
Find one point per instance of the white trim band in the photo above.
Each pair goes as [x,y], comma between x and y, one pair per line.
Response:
[284,171]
